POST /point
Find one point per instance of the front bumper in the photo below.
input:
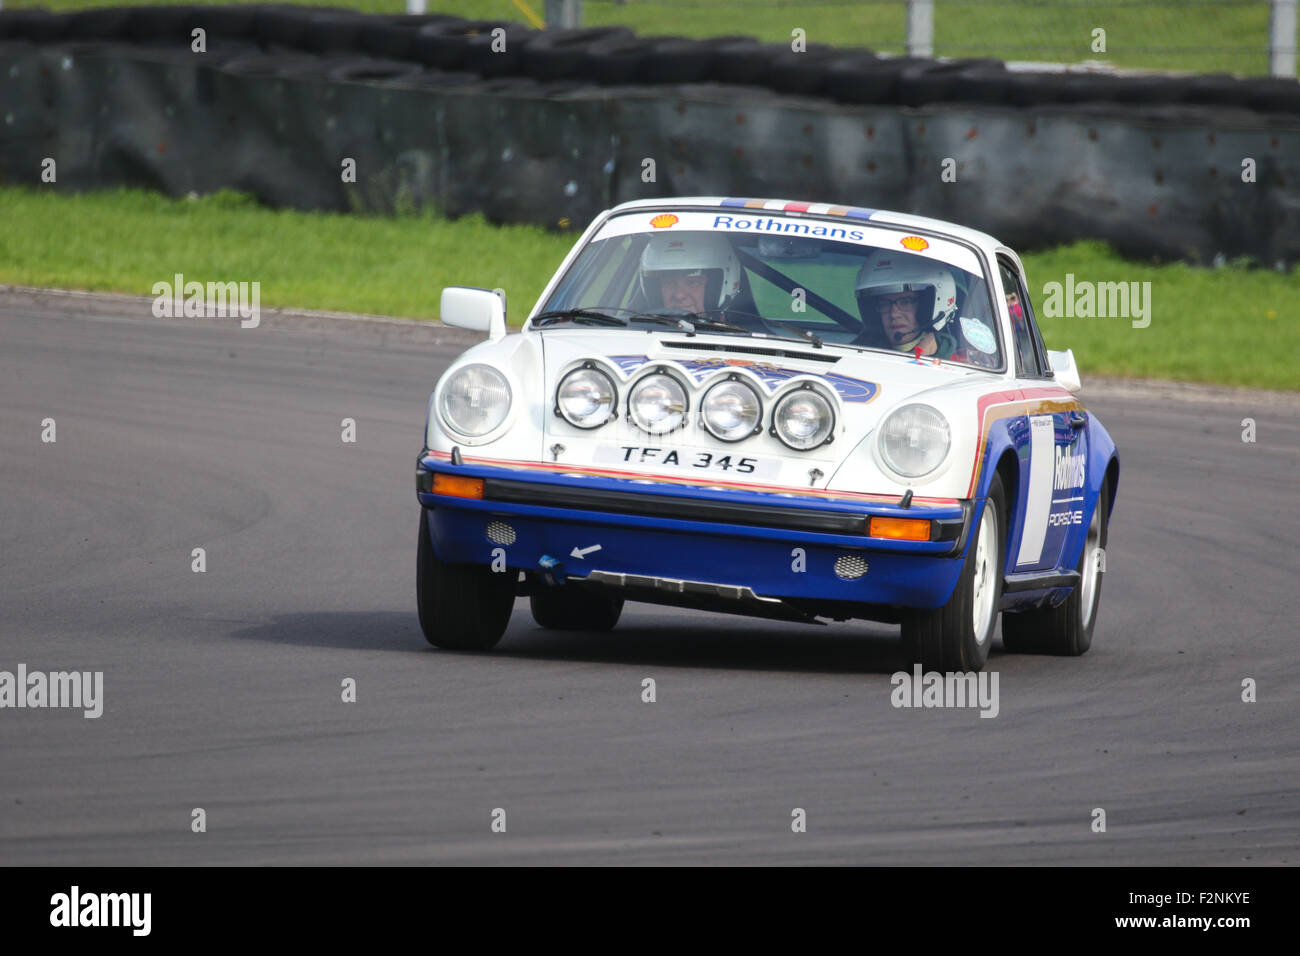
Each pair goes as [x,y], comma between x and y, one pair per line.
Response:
[771,544]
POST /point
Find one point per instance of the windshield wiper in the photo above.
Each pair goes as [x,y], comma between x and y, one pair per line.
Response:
[677,321]
[696,321]
[812,337]
[578,316]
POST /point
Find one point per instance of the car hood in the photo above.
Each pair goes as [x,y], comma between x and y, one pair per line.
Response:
[864,386]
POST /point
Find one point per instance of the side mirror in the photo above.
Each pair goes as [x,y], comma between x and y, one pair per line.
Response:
[1064,369]
[480,310]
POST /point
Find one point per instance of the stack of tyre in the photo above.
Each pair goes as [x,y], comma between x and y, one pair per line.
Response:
[446,51]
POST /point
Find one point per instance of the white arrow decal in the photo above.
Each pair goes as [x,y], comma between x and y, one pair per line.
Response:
[583,552]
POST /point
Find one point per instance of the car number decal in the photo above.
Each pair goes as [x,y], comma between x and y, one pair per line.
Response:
[687,460]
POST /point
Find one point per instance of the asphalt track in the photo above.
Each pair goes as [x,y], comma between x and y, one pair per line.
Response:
[223,689]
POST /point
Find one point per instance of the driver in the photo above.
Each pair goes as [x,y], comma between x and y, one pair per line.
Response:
[909,300]
[695,271]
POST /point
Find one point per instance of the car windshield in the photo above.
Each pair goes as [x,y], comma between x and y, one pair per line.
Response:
[822,284]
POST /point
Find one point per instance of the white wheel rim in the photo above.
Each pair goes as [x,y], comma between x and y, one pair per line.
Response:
[1093,559]
[985,584]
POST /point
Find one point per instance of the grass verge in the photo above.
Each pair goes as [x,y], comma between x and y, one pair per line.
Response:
[1233,326]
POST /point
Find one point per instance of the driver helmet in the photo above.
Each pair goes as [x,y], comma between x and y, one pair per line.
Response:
[886,272]
[691,254]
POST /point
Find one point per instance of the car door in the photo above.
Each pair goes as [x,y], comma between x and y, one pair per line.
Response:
[1052,445]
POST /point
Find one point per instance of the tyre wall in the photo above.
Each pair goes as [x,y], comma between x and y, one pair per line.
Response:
[557,126]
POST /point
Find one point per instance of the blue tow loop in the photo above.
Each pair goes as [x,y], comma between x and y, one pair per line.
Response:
[552,569]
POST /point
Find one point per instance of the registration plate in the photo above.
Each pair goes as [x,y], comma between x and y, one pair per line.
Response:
[686,460]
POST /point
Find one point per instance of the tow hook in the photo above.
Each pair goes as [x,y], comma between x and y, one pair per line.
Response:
[552,570]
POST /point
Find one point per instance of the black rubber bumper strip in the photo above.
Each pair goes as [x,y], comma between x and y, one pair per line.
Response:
[1038,581]
[693,509]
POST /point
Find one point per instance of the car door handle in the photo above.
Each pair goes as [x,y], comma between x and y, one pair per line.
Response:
[1078,419]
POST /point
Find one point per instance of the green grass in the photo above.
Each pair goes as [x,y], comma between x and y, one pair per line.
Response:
[1234,325]
[1190,35]
[124,241]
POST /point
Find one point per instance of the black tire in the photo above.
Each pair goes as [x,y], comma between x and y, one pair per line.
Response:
[617,59]
[571,609]
[508,60]
[935,82]
[947,639]
[161,24]
[865,79]
[678,60]
[1082,88]
[980,84]
[1153,90]
[1032,89]
[1217,89]
[801,74]
[373,70]
[103,23]
[443,44]
[229,23]
[280,25]
[1274,95]
[744,60]
[463,607]
[560,54]
[328,33]
[389,40]
[38,26]
[1064,630]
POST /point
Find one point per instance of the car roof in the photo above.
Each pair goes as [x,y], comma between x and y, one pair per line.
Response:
[982,239]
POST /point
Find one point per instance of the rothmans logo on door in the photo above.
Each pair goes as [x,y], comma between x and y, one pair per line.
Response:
[1069,470]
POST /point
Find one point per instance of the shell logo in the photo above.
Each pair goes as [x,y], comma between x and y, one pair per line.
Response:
[664,220]
[915,243]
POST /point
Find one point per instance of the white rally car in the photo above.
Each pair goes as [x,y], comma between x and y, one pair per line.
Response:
[787,410]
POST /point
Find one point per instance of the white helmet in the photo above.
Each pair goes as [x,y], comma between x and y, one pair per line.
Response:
[691,253]
[886,272]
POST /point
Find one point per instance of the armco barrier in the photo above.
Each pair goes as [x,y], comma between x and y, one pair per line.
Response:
[1152,165]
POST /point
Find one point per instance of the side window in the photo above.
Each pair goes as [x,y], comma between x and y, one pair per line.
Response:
[1027,365]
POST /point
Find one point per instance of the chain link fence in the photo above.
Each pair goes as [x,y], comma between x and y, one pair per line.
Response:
[1234,36]
[1246,37]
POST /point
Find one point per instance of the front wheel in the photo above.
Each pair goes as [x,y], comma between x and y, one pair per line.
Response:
[956,637]
[1066,630]
[463,607]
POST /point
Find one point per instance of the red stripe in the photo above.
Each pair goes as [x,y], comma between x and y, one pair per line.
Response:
[671,479]
[1022,399]
[797,206]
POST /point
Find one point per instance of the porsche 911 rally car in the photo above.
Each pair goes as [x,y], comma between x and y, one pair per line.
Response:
[781,409]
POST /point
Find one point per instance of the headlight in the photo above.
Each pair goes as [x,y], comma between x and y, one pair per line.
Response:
[914,440]
[586,397]
[475,400]
[731,410]
[803,419]
[658,404]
